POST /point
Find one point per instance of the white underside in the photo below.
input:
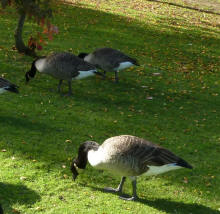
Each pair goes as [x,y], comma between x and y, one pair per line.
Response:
[123,65]
[2,90]
[40,64]
[84,74]
[155,170]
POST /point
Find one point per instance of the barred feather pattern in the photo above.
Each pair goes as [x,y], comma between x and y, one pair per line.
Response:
[132,156]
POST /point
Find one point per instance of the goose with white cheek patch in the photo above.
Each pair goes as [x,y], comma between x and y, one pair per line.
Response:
[109,60]
[62,66]
[5,86]
[127,156]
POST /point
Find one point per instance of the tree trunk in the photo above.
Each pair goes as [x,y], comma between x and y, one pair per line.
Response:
[19,44]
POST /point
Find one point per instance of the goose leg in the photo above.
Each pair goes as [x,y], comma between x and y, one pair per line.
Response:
[70,87]
[116,76]
[134,195]
[118,189]
[59,85]
[104,76]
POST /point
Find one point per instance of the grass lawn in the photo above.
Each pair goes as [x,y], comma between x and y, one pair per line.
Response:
[41,130]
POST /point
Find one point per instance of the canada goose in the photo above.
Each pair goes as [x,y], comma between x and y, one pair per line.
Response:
[5,85]
[62,66]
[127,156]
[109,60]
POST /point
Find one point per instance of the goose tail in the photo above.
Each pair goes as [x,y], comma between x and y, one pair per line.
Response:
[12,88]
[136,63]
[184,164]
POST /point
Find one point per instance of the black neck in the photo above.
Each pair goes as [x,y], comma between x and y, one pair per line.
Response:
[32,72]
[84,148]
[81,160]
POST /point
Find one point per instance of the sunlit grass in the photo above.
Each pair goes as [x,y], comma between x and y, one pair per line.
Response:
[41,130]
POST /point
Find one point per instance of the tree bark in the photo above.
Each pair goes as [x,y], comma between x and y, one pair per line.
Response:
[19,44]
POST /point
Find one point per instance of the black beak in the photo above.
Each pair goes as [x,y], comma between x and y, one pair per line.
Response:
[99,73]
[74,171]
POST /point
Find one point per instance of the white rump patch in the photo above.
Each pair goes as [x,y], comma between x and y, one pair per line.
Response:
[123,65]
[155,170]
[2,90]
[40,64]
[84,74]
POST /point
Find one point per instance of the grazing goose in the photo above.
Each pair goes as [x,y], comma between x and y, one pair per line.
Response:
[127,156]
[109,59]
[5,85]
[62,66]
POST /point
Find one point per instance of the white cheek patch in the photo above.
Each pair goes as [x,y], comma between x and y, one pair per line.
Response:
[124,65]
[84,74]
[155,170]
[88,58]
[98,158]
[40,64]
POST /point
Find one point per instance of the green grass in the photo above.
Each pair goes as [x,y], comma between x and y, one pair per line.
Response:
[41,130]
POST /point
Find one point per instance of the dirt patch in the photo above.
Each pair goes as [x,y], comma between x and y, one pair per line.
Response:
[210,5]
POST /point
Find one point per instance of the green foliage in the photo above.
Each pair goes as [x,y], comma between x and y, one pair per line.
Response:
[41,130]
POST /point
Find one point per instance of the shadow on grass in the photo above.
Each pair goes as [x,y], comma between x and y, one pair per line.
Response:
[22,123]
[16,193]
[168,206]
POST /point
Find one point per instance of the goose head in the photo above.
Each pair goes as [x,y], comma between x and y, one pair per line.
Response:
[81,160]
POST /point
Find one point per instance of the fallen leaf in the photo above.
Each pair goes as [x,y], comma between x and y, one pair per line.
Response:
[149,98]
[185,180]
[23,178]
[15,211]
[65,176]
[156,74]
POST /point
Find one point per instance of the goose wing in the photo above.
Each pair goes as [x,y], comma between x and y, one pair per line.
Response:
[113,57]
[142,153]
[67,65]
